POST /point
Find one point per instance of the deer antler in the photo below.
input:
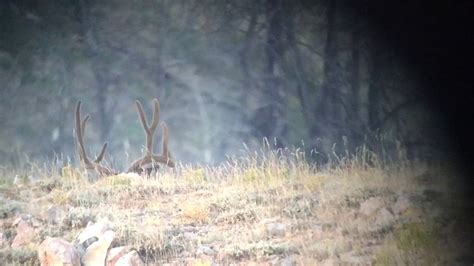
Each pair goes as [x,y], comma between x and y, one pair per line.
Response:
[95,165]
[150,157]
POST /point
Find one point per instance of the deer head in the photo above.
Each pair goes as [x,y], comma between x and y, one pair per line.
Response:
[149,161]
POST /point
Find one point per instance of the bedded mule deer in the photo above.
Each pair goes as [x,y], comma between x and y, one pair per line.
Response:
[147,162]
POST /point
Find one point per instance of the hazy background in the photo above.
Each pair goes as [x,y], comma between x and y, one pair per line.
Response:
[309,73]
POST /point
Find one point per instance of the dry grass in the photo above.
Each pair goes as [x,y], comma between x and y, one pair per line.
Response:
[261,208]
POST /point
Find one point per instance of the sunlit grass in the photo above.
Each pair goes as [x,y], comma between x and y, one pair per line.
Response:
[239,206]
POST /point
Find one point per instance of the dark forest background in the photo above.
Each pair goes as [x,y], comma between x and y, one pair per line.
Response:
[320,75]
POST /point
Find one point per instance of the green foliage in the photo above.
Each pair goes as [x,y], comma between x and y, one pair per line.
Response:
[9,207]
[19,256]
[79,217]
[413,236]
[85,199]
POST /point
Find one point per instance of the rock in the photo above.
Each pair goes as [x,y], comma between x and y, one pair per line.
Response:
[56,251]
[190,236]
[3,240]
[288,261]
[18,219]
[130,259]
[206,250]
[123,256]
[82,247]
[24,234]
[93,229]
[186,254]
[402,204]
[114,253]
[370,206]
[96,253]
[271,227]
[276,229]
[384,218]
[188,228]
[55,214]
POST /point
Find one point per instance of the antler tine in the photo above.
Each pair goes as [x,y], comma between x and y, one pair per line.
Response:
[141,114]
[164,140]
[80,129]
[149,130]
[150,157]
[83,124]
[156,115]
[104,147]
[149,135]
[165,153]
[102,153]
[79,134]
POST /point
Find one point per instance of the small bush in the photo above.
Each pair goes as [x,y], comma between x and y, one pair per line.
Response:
[197,212]
[59,196]
[415,236]
[195,175]
[19,256]
[70,173]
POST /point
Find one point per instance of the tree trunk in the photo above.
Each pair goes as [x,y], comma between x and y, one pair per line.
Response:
[326,98]
[374,90]
[355,122]
[270,120]
[92,50]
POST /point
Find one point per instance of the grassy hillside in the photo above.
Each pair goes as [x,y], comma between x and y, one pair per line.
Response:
[262,209]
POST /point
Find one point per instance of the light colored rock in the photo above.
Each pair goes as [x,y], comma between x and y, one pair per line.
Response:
[82,247]
[115,256]
[93,229]
[188,228]
[186,254]
[402,204]
[189,235]
[18,219]
[288,261]
[3,240]
[56,252]
[130,258]
[276,229]
[24,234]
[206,250]
[384,217]
[97,252]
[370,206]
